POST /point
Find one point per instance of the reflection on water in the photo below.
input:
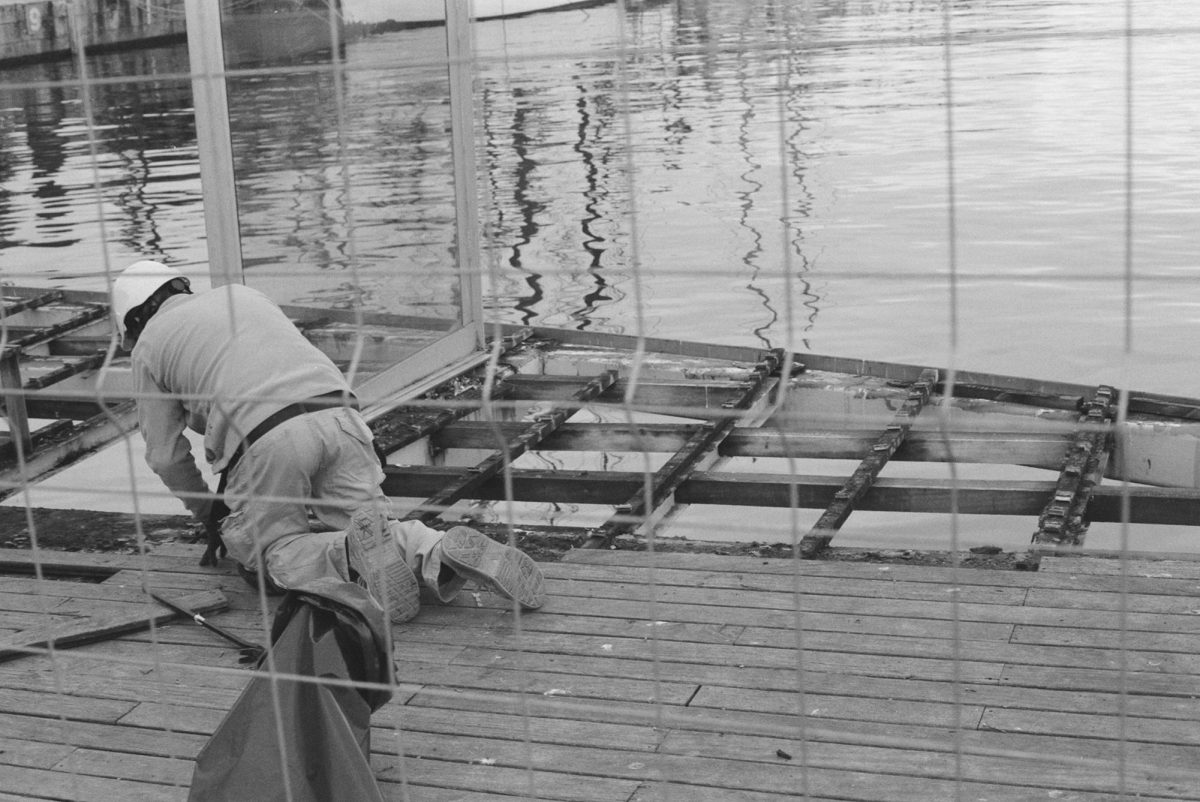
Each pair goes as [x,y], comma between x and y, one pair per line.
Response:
[762,173]
[343,179]
[144,164]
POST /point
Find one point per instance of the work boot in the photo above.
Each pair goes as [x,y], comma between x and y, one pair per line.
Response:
[377,564]
[503,569]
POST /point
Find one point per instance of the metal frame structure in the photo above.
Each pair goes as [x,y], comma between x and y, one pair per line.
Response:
[455,350]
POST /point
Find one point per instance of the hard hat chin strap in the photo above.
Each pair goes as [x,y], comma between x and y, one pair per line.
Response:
[137,318]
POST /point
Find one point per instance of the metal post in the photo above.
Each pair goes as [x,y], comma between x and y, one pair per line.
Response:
[14,399]
[459,52]
[207,56]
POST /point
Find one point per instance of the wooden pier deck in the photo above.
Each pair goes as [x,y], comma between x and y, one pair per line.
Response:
[681,676]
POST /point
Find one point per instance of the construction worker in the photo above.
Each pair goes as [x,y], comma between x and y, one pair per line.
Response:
[282,429]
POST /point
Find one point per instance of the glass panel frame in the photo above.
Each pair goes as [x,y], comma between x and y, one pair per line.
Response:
[459,346]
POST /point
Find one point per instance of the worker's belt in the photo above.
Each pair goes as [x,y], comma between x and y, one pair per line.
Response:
[337,398]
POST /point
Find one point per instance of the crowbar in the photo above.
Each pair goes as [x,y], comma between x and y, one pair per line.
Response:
[248,652]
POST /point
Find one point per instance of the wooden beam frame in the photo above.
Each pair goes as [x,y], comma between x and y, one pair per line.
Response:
[77,442]
[1016,447]
[1148,505]
[656,497]
[543,424]
[839,509]
[1063,519]
[685,398]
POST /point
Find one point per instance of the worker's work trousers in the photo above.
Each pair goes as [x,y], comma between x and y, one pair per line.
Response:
[325,462]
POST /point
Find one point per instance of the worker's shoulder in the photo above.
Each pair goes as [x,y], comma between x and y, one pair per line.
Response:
[230,297]
[239,293]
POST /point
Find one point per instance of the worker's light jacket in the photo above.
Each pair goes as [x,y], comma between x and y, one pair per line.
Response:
[218,362]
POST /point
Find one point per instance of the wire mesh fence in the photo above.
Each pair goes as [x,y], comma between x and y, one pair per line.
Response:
[582,311]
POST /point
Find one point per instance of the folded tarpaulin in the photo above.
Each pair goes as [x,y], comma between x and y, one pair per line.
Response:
[297,740]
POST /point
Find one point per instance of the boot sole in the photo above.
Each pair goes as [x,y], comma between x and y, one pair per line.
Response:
[381,567]
[505,570]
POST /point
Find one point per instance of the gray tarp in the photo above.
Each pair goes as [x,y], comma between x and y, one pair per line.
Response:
[302,741]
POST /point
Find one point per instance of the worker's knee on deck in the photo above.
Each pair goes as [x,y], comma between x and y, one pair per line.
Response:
[297,559]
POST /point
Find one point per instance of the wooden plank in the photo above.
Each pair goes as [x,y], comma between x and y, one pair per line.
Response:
[1036,769]
[1092,609]
[1112,601]
[576,677]
[196,685]
[777,592]
[1112,681]
[69,785]
[1106,566]
[856,486]
[825,647]
[484,773]
[34,754]
[692,777]
[906,739]
[428,747]
[853,658]
[105,624]
[100,564]
[83,440]
[704,654]
[718,570]
[1133,728]
[1137,641]
[163,770]
[62,706]
[715,622]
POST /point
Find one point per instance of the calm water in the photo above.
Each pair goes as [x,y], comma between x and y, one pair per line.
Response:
[757,173]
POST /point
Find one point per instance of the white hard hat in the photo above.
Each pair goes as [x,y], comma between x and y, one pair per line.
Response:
[136,284]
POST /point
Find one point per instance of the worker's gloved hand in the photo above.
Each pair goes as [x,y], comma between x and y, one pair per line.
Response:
[212,530]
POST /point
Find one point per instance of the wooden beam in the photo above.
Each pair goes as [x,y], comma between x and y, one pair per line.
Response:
[655,498]
[33,335]
[13,391]
[14,305]
[80,441]
[77,407]
[864,476]
[694,399]
[50,433]
[1013,447]
[62,369]
[1063,519]
[1006,395]
[971,381]
[407,424]
[975,497]
[73,631]
[542,425]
